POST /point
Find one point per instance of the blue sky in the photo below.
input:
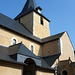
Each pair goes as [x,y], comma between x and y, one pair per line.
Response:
[61,13]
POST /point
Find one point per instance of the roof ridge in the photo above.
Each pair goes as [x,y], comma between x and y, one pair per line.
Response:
[59,33]
[53,37]
[55,34]
[15,44]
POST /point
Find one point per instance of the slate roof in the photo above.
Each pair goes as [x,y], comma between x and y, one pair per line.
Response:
[6,52]
[15,26]
[51,59]
[44,64]
[53,37]
[19,28]
[29,6]
[21,49]
[4,56]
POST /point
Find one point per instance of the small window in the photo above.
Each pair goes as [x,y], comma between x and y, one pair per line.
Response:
[41,20]
[14,41]
[32,48]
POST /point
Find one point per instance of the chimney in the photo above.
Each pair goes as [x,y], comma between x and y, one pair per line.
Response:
[39,9]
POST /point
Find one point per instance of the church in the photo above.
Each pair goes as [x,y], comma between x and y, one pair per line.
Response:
[27,48]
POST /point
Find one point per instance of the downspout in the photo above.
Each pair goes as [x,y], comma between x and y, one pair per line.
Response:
[60,51]
[60,46]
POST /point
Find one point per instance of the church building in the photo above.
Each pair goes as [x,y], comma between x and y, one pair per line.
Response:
[27,48]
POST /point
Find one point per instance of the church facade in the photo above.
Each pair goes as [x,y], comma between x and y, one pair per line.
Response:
[27,48]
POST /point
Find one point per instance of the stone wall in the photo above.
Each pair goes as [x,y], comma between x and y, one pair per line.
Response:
[44,72]
[66,66]
[51,48]
[7,36]
[10,69]
[67,48]
[27,21]
[39,30]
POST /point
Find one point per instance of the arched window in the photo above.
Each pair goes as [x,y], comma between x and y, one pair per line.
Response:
[64,72]
[32,48]
[14,41]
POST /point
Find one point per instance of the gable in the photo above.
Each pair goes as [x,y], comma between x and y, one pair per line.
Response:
[67,48]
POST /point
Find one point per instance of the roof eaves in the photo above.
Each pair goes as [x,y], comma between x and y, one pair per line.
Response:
[15,62]
[51,59]
[41,41]
[23,50]
[30,12]
[37,40]
[29,56]
[42,15]
[51,55]
[19,16]
[47,68]
[52,38]
[49,41]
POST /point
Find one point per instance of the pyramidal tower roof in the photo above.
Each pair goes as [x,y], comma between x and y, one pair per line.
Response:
[29,6]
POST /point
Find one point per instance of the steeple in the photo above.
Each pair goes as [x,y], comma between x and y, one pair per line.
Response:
[29,6]
[33,20]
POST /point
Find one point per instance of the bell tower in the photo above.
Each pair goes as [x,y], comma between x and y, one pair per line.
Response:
[33,20]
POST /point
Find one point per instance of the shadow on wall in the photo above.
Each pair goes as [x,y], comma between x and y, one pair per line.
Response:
[40,52]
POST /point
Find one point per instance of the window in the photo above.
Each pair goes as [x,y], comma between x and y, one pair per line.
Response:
[41,20]
[14,41]
[64,72]
[32,48]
